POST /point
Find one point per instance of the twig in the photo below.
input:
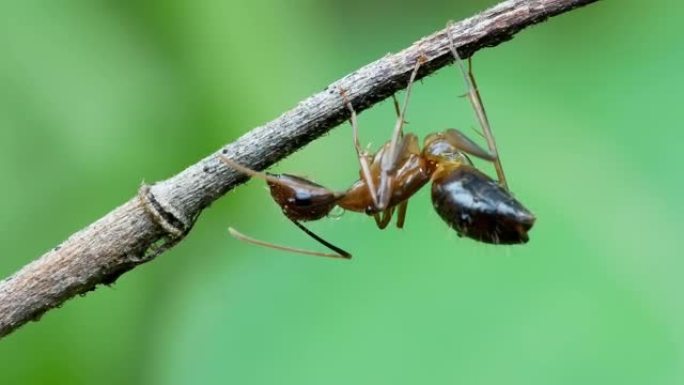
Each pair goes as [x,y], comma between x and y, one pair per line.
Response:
[162,214]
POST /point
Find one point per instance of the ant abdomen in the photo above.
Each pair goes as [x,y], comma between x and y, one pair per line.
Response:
[301,199]
[479,208]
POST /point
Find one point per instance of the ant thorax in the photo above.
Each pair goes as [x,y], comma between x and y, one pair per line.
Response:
[438,149]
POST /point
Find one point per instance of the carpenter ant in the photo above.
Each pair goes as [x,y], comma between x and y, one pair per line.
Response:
[468,200]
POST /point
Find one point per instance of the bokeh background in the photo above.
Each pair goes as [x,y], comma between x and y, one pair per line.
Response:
[97,96]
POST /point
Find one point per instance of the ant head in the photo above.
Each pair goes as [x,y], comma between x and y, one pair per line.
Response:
[438,150]
[479,208]
[301,199]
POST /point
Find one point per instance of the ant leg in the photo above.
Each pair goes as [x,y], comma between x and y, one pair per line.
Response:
[248,171]
[401,215]
[397,109]
[362,156]
[384,218]
[390,158]
[409,147]
[478,106]
[339,253]
[399,125]
[465,144]
[408,181]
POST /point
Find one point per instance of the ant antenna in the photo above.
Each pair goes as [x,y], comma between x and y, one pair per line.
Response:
[476,101]
[262,175]
[248,171]
[339,253]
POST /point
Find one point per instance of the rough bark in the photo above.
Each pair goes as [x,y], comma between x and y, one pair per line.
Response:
[162,214]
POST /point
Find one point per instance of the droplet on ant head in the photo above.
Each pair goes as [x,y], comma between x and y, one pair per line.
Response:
[336,213]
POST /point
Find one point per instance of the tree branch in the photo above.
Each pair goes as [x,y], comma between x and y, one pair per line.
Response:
[162,214]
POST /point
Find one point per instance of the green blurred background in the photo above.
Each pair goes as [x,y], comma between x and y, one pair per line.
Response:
[97,96]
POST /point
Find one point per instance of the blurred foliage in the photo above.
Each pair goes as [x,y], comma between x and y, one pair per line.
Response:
[96,96]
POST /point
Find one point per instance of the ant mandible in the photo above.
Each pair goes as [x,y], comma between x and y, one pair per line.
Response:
[468,200]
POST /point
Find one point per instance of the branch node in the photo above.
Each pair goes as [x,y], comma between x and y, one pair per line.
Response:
[164,216]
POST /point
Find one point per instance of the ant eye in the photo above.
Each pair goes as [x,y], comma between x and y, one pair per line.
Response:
[302,198]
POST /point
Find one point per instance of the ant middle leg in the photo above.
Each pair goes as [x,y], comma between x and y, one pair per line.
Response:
[389,159]
[401,214]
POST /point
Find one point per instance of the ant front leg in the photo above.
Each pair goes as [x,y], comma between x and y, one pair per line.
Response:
[361,155]
[383,219]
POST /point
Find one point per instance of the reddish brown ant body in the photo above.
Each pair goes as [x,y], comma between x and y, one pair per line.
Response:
[465,198]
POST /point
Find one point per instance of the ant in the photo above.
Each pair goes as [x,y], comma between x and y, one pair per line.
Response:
[468,200]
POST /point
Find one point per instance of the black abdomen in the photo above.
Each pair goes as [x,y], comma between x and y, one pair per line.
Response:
[479,208]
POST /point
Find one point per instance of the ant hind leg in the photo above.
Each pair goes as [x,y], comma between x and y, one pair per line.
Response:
[478,106]
[465,144]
